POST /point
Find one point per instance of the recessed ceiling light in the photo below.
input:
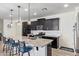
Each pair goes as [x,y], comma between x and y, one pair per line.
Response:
[66,5]
[11,24]
[26,9]
[10,15]
[35,13]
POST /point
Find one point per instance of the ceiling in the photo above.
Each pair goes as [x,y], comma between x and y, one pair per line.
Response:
[52,8]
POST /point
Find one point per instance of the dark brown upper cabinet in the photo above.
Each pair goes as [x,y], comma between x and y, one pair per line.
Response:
[38,25]
[26,29]
[45,24]
[51,24]
[34,25]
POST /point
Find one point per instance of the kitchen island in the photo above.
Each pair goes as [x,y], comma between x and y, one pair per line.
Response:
[41,47]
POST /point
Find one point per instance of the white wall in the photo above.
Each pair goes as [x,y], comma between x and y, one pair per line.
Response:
[67,21]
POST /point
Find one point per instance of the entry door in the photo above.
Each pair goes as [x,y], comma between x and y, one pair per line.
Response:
[77,31]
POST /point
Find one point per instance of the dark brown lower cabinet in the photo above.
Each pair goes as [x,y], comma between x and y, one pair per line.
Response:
[49,50]
[54,44]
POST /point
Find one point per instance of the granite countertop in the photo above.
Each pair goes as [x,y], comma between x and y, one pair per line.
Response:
[37,42]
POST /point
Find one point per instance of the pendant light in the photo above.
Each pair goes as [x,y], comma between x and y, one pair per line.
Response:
[11,23]
[29,21]
[11,17]
[19,15]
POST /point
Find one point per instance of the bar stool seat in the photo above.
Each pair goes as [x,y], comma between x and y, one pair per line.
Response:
[24,49]
[15,44]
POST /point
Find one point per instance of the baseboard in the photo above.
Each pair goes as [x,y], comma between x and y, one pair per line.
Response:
[67,49]
[77,50]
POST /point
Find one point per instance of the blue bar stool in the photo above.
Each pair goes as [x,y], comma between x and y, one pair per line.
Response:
[12,45]
[16,45]
[23,48]
[9,44]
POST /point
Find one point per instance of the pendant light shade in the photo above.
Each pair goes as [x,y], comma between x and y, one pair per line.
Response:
[19,15]
[11,15]
[29,21]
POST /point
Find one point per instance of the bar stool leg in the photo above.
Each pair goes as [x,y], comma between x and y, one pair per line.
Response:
[16,50]
[3,48]
[10,51]
[6,49]
[19,53]
[28,53]
[22,54]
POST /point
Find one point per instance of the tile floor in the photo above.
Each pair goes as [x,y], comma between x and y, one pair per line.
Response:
[59,52]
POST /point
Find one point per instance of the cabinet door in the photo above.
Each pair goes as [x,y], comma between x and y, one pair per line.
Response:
[55,24]
[51,24]
[33,25]
[45,27]
[41,21]
[26,29]
[24,26]
[48,25]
